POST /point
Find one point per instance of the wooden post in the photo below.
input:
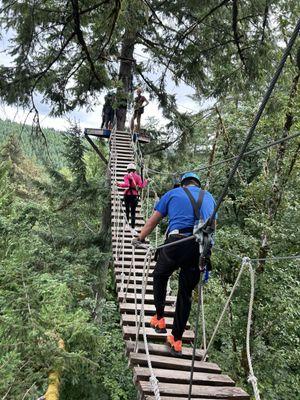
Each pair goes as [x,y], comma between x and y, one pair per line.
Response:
[96,149]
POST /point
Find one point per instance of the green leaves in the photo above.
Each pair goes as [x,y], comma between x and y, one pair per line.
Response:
[53,277]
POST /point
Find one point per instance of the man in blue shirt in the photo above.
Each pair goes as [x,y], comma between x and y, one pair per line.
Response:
[183,206]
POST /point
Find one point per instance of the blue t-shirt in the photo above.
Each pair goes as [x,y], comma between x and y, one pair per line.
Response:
[177,206]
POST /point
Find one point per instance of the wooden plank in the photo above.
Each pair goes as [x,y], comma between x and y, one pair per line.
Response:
[148,298]
[122,135]
[127,240]
[138,272]
[118,223]
[138,264]
[129,332]
[177,376]
[124,153]
[123,139]
[129,319]
[128,248]
[124,146]
[128,236]
[127,230]
[129,308]
[178,363]
[131,287]
[139,279]
[163,350]
[127,261]
[172,398]
[210,392]
[126,158]
[139,259]
[119,164]
[115,212]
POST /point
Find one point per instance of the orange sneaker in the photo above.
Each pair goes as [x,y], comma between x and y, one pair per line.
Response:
[158,324]
[176,346]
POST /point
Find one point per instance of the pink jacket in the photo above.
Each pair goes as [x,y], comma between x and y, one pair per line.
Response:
[132,181]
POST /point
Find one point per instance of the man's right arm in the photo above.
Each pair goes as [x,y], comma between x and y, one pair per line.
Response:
[150,225]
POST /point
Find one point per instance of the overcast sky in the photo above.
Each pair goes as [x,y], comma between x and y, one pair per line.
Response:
[92,119]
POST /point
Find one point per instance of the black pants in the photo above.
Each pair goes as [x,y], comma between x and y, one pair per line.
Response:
[131,202]
[108,119]
[185,256]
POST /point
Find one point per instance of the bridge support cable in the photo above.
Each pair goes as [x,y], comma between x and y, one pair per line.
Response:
[257,117]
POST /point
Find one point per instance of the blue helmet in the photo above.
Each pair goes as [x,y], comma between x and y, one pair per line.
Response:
[190,175]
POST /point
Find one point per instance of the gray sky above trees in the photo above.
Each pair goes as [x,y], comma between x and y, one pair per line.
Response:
[92,118]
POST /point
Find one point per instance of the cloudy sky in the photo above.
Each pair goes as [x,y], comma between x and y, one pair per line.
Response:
[92,119]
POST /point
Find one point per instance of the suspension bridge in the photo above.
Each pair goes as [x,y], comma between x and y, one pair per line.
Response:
[156,373]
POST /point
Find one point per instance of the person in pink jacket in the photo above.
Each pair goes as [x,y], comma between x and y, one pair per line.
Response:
[132,183]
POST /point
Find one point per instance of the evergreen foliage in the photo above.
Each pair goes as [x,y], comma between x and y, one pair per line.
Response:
[259,219]
[44,148]
[55,279]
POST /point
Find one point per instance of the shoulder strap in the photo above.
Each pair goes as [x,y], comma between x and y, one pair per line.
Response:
[196,205]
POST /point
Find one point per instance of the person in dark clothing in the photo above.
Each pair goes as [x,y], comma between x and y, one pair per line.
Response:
[140,102]
[177,205]
[132,182]
[108,113]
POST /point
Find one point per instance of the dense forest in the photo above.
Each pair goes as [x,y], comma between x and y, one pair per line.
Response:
[58,308]
[55,277]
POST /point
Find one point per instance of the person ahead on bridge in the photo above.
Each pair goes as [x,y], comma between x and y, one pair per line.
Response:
[108,112]
[132,182]
[177,205]
[140,102]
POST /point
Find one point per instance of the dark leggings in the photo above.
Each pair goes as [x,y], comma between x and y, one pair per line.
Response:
[131,202]
[185,256]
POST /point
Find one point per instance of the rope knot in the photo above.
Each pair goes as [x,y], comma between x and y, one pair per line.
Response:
[252,379]
[246,260]
[154,386]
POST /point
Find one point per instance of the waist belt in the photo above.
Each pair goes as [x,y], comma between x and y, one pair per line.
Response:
[183,231]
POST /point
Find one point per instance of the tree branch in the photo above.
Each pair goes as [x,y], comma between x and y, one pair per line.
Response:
[81,41]
[115,18]
[235,32]
[265,22]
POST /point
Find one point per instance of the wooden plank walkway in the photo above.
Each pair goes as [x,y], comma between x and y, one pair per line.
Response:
[173,373]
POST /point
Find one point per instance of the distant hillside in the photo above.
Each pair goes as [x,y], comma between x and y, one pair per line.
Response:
[34,146]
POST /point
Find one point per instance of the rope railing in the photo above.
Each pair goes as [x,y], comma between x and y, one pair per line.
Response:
[120,241]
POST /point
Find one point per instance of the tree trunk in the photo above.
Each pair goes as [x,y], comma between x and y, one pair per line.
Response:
[125,76]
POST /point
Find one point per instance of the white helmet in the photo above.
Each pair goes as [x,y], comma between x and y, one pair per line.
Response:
[131,166]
